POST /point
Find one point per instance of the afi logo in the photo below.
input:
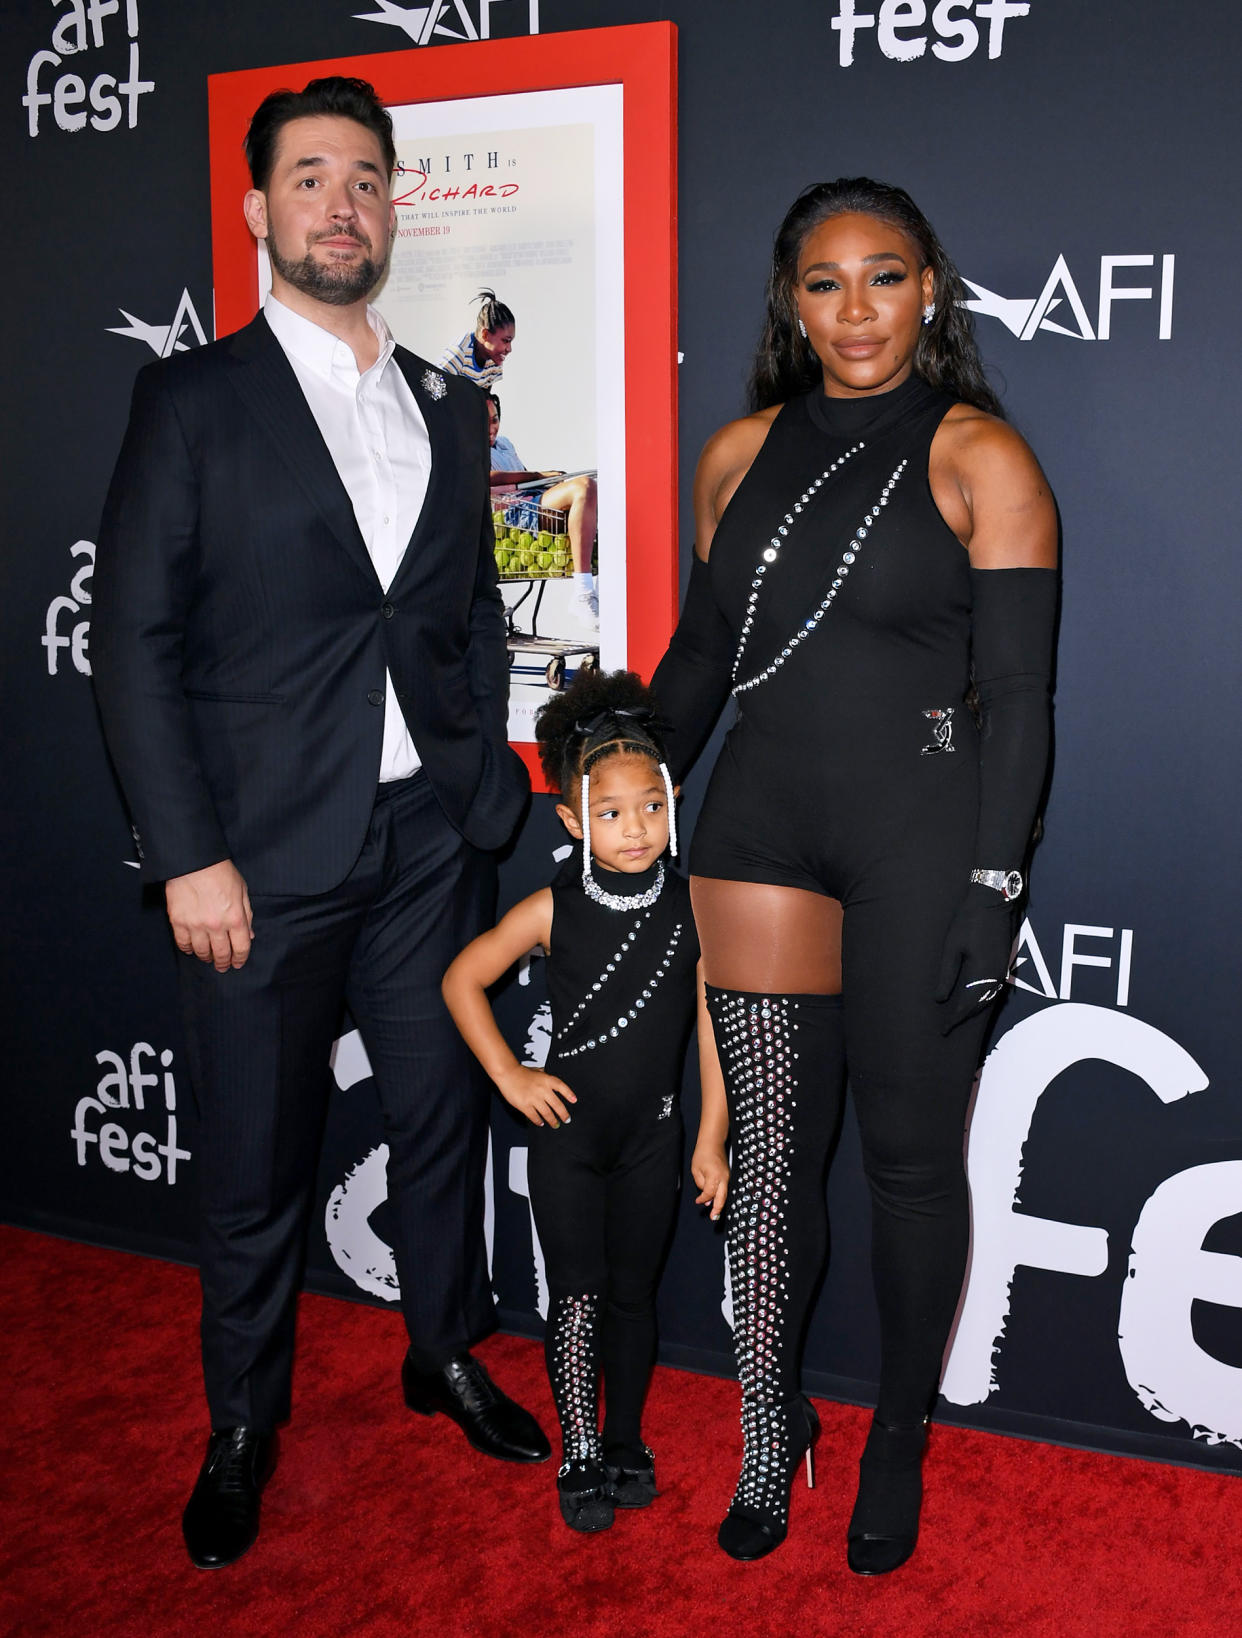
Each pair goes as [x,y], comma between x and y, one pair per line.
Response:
[900,34]
[164,339]
[83,96]
[450,19]
[1024,315]
[77,638]
[1170,1371]
[122,1092]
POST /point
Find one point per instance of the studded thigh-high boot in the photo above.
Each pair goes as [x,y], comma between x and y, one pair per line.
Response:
[782,1057]
[571,1348]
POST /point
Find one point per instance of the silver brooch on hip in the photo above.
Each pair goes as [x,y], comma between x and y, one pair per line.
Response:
[942,731]
[433,384]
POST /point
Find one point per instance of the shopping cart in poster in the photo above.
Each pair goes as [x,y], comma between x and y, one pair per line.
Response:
[532,549]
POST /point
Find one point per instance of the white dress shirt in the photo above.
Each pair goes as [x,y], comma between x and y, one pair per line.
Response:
[378,441]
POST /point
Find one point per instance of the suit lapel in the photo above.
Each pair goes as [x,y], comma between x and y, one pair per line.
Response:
[270,390]
[422,379]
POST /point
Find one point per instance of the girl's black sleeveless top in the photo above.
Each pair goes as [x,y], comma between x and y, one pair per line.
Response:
[621,983]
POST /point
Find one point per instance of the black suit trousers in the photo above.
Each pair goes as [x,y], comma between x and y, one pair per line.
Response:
[258,1041]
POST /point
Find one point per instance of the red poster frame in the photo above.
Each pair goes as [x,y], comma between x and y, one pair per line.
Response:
[642,59]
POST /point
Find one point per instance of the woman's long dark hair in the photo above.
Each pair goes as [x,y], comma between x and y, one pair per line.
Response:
[946,356]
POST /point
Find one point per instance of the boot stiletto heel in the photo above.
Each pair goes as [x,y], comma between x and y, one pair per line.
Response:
[777,1437]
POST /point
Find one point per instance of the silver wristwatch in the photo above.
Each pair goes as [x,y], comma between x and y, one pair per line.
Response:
[1008,883]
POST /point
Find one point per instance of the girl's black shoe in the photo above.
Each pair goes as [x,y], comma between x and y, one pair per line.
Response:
[582,1490]
[749,1531]
[630,1485]
[884,1529]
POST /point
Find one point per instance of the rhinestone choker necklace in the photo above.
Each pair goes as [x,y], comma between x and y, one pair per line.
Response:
[622,901]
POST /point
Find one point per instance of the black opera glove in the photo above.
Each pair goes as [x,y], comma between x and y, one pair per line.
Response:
[691,682]
[977,952]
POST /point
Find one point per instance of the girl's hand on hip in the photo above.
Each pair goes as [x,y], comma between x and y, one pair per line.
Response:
[541,1098]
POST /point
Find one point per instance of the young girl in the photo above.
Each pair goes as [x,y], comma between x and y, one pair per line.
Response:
[480,354]
[605,1156]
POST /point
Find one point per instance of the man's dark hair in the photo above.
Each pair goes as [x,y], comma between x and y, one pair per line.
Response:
[492,399]
[335,94]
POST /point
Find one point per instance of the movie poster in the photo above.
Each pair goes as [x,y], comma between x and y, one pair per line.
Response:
[521,195]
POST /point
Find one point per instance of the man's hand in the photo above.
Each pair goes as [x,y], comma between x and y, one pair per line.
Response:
[209,912]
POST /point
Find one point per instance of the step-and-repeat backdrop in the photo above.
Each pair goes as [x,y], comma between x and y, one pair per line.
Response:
[1080,162]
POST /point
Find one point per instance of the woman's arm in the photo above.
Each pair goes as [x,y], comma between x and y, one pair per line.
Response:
[538,1096]
[692,681]
[998,500]
[709,1165]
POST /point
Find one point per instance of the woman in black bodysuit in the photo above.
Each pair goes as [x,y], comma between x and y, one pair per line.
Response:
[871,541]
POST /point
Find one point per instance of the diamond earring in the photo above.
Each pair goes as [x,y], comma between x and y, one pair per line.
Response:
[929,312]
[802,329]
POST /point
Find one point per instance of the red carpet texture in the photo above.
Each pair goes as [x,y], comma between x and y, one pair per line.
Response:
[381,1522]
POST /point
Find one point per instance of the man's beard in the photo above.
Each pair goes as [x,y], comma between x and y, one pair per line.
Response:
[336,283]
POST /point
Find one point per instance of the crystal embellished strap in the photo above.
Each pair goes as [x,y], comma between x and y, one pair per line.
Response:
[773,549]
[848,558]
[598,984]
[631,1014]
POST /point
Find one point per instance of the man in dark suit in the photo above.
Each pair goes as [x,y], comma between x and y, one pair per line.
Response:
[299,652]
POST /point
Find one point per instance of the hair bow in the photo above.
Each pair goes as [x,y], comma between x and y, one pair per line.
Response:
[589,726]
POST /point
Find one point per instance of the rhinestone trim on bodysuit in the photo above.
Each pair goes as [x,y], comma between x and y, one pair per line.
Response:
[641,1000]
[603,978]
[573,1368]
[754,1037]
[843,568]
[773,549]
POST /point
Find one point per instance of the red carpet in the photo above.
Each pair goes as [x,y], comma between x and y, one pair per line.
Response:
[378,1522]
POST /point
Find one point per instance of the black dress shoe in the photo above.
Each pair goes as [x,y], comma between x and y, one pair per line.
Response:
[491,1421]
[583,1492]
[221,1519]
[631,1484]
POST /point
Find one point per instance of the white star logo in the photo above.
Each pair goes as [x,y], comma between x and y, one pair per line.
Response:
[1023,316]
[1013,314]
[421,22]
[163,339]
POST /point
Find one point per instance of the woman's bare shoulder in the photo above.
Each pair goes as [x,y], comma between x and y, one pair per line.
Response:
[738,440]
[991,491]
[969,437]
[727,457]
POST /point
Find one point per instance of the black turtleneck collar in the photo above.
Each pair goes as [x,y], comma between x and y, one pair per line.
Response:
[867,414]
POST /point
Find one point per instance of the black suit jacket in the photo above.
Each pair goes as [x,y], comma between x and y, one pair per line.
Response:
[240,635]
